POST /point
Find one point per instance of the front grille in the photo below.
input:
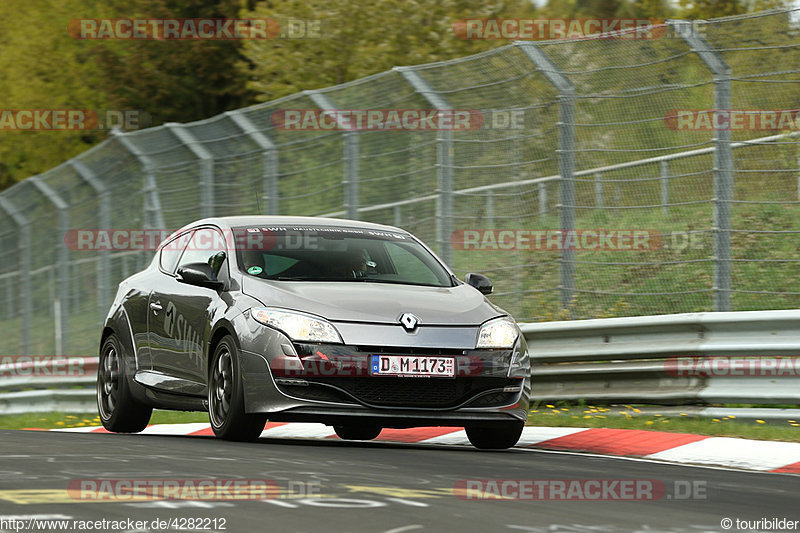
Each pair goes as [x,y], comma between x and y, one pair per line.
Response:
[414,392]
[495,399]
[320,393]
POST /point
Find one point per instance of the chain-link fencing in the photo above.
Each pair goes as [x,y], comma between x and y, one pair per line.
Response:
[611,176]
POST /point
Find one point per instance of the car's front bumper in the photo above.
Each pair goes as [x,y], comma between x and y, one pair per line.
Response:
[332,384]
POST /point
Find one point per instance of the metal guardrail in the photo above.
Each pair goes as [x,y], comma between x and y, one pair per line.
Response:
[636,359]
[600,361]
[34,385]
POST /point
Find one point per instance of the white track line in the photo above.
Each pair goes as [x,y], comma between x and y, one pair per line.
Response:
[737,453]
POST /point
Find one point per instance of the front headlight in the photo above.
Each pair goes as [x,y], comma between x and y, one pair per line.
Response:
[498,333]
[297,326]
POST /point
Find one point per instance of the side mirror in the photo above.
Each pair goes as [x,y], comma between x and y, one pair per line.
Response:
[480,282]
[199,274]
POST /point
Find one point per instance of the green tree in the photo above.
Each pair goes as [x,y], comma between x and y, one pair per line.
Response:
[43,68]
[173,80]
[706,9]
[358,39]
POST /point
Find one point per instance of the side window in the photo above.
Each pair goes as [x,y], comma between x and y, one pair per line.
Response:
[409,266]
[206,246]
[171,252]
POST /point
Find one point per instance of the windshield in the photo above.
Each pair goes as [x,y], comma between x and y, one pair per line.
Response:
[337,254]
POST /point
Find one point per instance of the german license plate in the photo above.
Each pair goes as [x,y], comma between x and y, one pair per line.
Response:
[413,366]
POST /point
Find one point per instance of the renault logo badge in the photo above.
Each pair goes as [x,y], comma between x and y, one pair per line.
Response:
[409,321]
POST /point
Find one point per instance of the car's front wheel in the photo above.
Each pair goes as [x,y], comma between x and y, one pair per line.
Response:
[226,397]
[495,437]
[119,410]
[357,432]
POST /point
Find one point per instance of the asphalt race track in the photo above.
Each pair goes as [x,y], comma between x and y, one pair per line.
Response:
[377,487]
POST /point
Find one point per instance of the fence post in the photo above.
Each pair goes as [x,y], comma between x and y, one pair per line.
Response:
[206,159]
[490,209]
[444,164]
[350,154]
[24,247]
[542,188]
[598,189]
[723,163]
[665,188]
[566,160]
[62,295]
[9,299]
[151,200]
[271,162]
[104,221]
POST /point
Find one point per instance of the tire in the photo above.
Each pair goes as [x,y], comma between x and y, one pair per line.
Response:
[119,411]
[226,397]
[357,432]
[496,437]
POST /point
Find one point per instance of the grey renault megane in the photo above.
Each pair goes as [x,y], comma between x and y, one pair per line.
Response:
[351,324]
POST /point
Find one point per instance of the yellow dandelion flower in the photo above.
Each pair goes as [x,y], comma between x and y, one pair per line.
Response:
[760,422]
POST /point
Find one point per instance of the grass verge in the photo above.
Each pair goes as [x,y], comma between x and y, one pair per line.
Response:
[73,420]
[593,417]
[603,417]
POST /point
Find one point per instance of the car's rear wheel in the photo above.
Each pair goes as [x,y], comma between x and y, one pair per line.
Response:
[357,432]
[226,397]
[119,410]
[495,437]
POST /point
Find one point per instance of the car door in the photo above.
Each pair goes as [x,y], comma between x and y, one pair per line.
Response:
[180,323]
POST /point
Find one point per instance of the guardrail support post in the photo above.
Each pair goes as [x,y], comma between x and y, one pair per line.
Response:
[723,163]
[206,159]
[62,295]
[104,221]
[566,160]
[598,190]
[271,161]
[444,165]
[665,188]
[350,155]
[154,216]
[490,209]
[542,189]
[24,247]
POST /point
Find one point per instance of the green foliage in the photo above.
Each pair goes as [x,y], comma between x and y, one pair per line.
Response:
[174,81]
[43,68]
[360,38]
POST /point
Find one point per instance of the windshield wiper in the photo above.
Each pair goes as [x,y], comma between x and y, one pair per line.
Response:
[397,282]
[301,278]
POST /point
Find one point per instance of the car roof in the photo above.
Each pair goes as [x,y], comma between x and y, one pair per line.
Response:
[266,220]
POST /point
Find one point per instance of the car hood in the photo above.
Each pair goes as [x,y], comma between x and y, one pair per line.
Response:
[375,302]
